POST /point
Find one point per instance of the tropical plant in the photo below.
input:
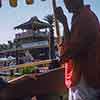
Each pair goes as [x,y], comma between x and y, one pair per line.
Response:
[50,19]
[28,70]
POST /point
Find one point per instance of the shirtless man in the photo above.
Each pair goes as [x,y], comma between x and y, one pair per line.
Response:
[82,45]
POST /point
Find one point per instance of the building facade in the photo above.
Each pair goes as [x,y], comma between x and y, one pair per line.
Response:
[35,43]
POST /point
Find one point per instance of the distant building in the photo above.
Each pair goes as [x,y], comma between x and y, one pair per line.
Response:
[35,42]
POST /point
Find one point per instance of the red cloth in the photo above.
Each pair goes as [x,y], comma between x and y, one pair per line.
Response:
[68,73]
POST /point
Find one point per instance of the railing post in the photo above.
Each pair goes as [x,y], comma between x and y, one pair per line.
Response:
[11,72]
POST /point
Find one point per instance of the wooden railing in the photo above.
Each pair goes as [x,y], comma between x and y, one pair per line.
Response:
[51,82]
[20,66]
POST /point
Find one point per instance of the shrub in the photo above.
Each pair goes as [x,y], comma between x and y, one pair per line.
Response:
[28,70]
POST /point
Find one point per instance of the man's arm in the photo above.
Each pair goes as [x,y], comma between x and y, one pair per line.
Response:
[63,20]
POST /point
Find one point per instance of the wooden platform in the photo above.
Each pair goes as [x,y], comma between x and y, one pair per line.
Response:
[51,82]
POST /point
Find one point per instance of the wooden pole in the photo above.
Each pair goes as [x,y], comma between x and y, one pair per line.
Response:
[56,22]
[56,26]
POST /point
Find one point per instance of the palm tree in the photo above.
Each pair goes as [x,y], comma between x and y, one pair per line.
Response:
[50,21]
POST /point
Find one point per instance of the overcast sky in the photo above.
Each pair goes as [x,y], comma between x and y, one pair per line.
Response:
[10,17]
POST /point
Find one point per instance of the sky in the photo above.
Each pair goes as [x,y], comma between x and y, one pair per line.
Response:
[11,17]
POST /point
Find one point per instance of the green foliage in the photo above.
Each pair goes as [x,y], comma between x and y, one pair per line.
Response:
[49,19]
[28,70]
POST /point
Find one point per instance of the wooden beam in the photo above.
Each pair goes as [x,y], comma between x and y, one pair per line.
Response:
[25,65]
[56,22]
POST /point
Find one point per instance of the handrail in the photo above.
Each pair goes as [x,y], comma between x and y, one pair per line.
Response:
[35,76]
[26,65]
